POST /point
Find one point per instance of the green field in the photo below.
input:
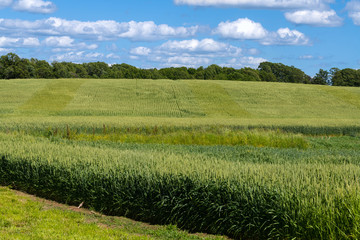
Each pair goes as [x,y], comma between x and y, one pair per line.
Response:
[184,102]
[250,160]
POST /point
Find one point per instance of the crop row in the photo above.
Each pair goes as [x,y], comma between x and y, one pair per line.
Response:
[242,199]
[41,128]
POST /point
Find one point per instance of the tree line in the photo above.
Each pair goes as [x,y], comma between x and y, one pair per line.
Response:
[12,66]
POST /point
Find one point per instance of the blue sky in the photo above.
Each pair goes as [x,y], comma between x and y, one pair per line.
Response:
[308,34]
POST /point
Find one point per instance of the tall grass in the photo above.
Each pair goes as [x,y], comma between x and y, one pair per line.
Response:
[187,136]
[260,136]
[248,198]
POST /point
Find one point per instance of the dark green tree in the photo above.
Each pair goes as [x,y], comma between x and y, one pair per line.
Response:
[322,77]
[346,77]
[282,73]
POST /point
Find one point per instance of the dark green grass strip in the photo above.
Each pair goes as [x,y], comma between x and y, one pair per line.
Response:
[216,101]
[54,97]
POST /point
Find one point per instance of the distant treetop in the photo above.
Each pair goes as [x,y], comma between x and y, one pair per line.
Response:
[12,66]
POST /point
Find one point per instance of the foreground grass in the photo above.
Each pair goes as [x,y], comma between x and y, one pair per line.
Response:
[27,217]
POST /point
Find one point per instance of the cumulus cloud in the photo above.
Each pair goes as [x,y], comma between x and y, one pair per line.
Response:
[112,56]
[5,3]
[18,42]
[315,18]
[98,30]
[353,8]
[66,43]
[5,50]
[252,51]
[59,41]
[243,28]
[6,41]
[31,42]
[268,4]
[34,6]
[150,31]
[195,53]
[285,36]
[251,61]
[185,60]
[207,46]
[246,61]
[81,56]
[140,51]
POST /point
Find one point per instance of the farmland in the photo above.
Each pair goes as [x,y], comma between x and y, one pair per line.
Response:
[248,160]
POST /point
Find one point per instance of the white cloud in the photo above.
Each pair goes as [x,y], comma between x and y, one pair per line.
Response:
[285,36]
[243,28]
[268,4]
[140,51]
[35,6]
[194,61]
[5,50]
[185,60]
[59,41]
[252,51]
[77,57]
[5,3]
[112,56]
[19,42]
[206,47]
[246,29]
[315,18]
[31,42]
[195,53]
[251,61]
[245,61]
[98,30]
[150,31]
[353,8]
[66,43]
[6,41]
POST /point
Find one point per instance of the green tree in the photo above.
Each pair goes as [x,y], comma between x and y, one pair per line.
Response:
[322,77]
[282,73]
[12,66]
[60,70]
[250,74]
[346,77]
[200,73]
[332,73]
[98,69]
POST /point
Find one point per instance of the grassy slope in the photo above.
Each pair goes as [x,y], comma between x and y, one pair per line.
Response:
[26,217]
[168,102]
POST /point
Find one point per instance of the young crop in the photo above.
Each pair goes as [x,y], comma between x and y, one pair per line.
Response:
[240,192]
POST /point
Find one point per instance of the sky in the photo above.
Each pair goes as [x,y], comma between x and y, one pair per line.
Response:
[307,34]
